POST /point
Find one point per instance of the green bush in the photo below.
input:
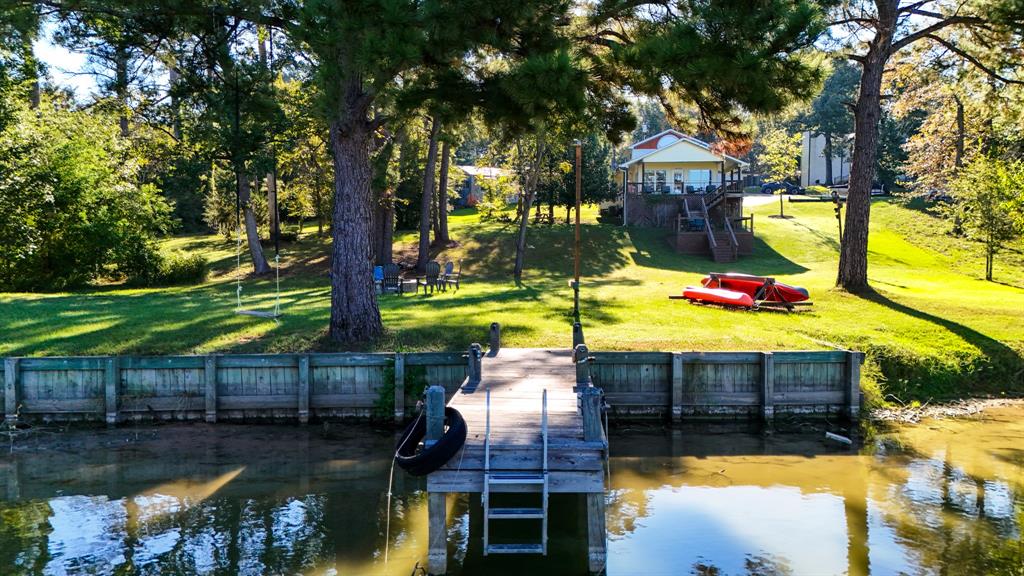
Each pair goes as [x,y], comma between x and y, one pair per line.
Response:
[751,189]
[816,189]
[73,210]
[168,270]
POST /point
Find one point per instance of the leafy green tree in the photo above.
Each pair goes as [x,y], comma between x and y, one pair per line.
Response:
[979,32]
[988,194]
[75,212]
[780,157]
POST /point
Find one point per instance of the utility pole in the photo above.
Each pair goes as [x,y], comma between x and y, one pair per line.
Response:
[576,263]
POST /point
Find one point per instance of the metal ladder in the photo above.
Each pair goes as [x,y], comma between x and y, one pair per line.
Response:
[516,482]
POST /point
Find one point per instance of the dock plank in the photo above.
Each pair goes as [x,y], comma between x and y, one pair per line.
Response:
[516,379]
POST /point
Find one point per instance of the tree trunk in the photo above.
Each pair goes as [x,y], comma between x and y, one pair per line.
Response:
[173,76]
[526,199]
[853,255]
[121,87]
[958,159]
[428,198]
[828,159]
[386,254]
[355,317]
[442,195]
[252,235]
[568,215]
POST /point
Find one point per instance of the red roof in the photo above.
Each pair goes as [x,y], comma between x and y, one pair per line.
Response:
[651,143]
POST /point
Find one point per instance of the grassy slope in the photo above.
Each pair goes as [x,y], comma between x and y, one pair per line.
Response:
[932,327]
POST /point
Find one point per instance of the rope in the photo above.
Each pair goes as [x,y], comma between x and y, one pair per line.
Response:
[391,477]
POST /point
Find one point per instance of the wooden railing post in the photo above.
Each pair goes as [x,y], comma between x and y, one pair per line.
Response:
[437,538]
[853,362]
[210,372]
[305,378]
[399,387]
[111,381]
[590,401]
[11,391]
[581,356]
[677,386]
[577,334]
[767,387]
[473,367]
[495,337]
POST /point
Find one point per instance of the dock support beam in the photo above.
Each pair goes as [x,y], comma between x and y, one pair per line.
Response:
[597,548]
[305,377]
[111,383]
[11,391]
[767,387]
[677,386]
[495,338]
[210,372]
[577,334]
[399,387]
[437,535]
[581,355]
[473,367]
[853,362]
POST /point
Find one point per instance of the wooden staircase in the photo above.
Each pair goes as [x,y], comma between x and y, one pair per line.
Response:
[723,251]
[722,243]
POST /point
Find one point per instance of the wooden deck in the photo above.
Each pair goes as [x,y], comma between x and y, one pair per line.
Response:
[517,379]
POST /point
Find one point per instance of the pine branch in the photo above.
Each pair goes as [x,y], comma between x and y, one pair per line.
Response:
[973,60]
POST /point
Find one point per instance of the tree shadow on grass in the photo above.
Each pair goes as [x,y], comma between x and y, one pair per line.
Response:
[997,352]
[654,251]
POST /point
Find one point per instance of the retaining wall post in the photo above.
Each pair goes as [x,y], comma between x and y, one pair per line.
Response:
[11,391]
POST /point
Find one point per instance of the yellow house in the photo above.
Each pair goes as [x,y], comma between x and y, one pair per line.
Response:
[680,182]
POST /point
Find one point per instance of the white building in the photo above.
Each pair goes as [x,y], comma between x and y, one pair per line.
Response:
[812,162]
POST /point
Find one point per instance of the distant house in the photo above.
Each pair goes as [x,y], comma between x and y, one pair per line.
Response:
[813,164]
[679,182]
[470,194]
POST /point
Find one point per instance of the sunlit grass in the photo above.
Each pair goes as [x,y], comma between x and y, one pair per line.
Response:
[933,316]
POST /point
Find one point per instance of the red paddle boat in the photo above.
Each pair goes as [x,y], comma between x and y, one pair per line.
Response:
[745,291]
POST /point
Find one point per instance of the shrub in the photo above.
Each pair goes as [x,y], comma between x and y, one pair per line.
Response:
[160,270]
[73,210]
[751,189]
[816,189]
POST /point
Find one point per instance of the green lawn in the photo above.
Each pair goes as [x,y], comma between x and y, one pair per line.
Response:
[932,327]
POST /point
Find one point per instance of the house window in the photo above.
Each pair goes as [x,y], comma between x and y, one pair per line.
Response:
[699,180]
[648,181]
[661,180]
[678,184]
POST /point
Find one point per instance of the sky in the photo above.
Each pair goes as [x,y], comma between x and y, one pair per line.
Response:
[63,66]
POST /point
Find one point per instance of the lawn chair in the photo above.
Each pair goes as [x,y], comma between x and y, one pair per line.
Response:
[430,278]
[446,271]
[392,280]
[452,278]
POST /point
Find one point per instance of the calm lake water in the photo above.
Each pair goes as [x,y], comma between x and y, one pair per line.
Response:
[942,497]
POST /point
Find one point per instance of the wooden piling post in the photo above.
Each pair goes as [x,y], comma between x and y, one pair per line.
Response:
[210,372]
[399,387]
[577,334]
[581,355]
[473,367]
[677,386]
[767,387]
[305,377]
[853,362]
[111,381]
[495,338]
[437,536]
[11,391]
[597,551]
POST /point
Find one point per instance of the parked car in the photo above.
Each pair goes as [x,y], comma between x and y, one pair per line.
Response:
[785,187]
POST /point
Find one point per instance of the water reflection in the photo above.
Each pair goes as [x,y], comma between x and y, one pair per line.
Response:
[943,497]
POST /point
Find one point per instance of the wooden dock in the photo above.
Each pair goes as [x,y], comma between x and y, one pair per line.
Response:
[572,461]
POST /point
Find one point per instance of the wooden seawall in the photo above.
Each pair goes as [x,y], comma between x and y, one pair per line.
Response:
[301,386]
